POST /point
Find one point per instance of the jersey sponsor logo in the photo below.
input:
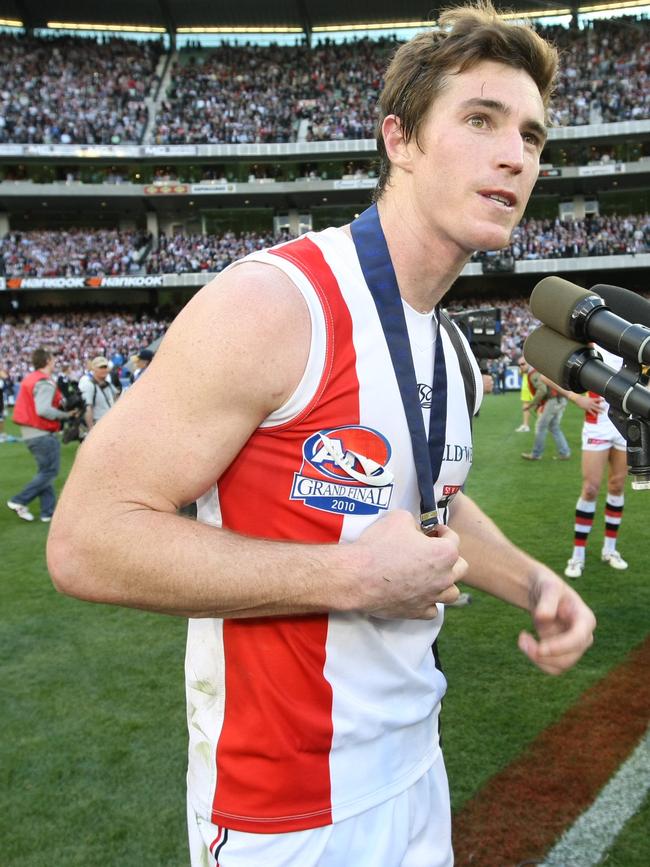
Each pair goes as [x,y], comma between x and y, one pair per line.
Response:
[596,441]
[450,490]
[425,395]
[344,471]
[455,453]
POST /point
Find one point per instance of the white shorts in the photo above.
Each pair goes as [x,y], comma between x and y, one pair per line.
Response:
[601,438]
[412,829]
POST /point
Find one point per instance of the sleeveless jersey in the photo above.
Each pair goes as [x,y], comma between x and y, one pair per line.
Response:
[296,722]
[597,424]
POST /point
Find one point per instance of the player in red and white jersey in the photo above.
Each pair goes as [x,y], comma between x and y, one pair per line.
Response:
[313,595]
[603,451]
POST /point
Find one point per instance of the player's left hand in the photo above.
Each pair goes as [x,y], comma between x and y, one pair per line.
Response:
[564,625]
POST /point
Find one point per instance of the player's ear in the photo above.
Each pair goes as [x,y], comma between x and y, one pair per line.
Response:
[397,148]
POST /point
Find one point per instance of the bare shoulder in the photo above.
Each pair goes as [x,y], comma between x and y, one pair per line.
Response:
[235,353]
[249,320]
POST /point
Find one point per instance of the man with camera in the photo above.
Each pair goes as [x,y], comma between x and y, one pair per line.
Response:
[38,413]
[97,390]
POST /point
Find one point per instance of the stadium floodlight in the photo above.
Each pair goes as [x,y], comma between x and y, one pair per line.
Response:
[119,28]
[381,25]
[251,28]
[608,7]
[10,22]
[536,13]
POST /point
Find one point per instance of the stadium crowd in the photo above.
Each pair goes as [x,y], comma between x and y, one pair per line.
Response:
[211,253]
[100,252]
[252,93]
[242,94]
[72,252]
[75,337]
[68,89]
[594,235]
[604,72]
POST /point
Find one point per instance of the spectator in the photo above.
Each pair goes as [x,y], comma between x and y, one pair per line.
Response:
[97,390]
[549,405]
[38,414]
[141,362]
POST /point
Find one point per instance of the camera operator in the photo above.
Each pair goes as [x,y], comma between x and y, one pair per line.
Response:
[74,429]
[38,414]
[97,390]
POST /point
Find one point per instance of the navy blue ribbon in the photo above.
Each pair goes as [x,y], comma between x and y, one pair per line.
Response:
[379,274]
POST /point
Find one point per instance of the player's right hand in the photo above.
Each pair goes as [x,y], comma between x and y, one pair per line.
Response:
[589,403]
[407,573]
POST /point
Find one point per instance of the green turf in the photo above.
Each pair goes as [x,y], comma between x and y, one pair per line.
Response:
[92,756]
[631,849]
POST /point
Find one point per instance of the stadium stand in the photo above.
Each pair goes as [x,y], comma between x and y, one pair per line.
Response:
[78,90]
[211,175]
[604,73]
[242,94]
[66,89]
[47,253]
[76,336]
[261,94]
[194,253]
[109,252]
[592,236]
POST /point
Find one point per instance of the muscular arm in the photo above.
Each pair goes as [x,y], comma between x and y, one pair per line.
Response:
[235,353]
[563,623]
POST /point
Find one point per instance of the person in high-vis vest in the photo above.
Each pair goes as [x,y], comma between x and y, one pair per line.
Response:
[38,413]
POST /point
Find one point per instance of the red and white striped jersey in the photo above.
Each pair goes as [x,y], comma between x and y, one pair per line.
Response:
[296,722]
[598,423]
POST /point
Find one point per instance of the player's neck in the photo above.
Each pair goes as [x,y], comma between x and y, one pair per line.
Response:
[425,266]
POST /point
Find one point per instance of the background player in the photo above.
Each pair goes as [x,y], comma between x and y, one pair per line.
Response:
[603,448]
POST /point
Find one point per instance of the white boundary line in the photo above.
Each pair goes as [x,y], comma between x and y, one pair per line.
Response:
[593,833]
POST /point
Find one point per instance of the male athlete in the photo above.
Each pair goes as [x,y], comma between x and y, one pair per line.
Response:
[314,596]
[603,448]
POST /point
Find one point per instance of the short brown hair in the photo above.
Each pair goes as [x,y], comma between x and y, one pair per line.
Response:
[467,35]
[40,358]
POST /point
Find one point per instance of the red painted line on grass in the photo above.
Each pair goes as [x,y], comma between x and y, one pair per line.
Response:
[520,812]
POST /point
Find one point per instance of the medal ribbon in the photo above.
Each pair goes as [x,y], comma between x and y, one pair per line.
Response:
[379,274]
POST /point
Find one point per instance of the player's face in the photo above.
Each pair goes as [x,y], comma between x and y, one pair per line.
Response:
[478,156]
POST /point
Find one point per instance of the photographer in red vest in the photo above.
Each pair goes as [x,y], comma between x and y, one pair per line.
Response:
[38,414]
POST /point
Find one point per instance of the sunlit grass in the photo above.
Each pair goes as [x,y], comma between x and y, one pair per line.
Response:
[93,744]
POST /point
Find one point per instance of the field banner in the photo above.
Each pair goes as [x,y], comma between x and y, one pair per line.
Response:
[145,281]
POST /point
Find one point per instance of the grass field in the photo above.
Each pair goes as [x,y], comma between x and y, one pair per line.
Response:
[92,756]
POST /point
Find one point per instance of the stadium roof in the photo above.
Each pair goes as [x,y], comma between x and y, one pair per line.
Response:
[171,15]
